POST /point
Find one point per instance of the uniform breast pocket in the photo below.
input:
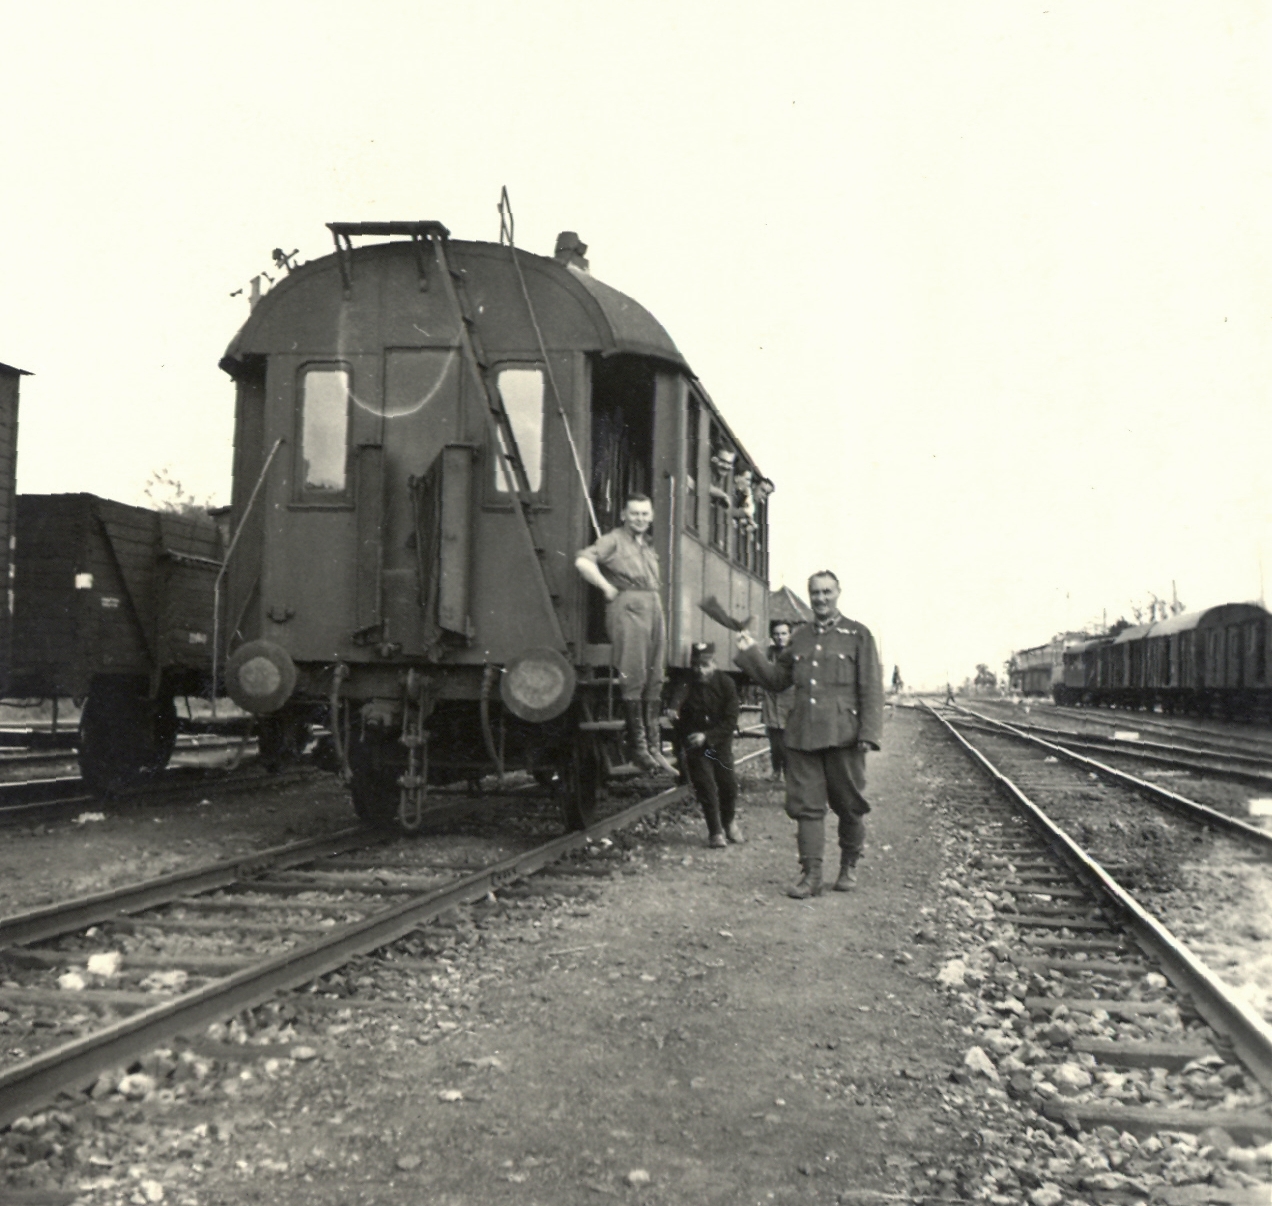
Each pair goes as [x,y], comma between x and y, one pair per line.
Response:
[843,667]
[800,671]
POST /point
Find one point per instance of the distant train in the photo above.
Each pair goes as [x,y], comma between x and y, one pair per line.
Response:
[427,431]
[1211,662]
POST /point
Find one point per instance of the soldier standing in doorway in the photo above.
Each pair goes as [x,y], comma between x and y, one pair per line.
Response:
[838,715]
[623,566]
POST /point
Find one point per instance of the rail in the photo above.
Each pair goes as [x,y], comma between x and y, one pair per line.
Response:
[1197,811]
[73,1064]
[1249,1035]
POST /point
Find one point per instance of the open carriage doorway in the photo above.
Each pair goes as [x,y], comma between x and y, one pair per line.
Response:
[622,451]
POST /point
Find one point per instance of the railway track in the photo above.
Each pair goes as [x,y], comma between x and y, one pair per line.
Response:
[49,798]
[147,959]
[1226,816]
[1171,731]
[1131,1029]
[192,744]
[1252,769]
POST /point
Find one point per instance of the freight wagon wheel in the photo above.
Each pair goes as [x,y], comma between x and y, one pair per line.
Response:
[376,760]
[124,735]
[582,783]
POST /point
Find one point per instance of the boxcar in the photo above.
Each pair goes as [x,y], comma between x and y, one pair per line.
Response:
[112,605]
[427,432]
[1209,662]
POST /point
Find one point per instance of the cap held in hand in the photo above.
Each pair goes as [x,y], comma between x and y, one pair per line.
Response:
[711,605]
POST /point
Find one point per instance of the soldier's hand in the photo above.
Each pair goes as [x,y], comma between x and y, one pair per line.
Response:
[696,740]
[745,641]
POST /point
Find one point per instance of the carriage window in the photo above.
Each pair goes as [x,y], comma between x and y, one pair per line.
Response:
[721,489]
[522,394]
[692,443]
[324,430]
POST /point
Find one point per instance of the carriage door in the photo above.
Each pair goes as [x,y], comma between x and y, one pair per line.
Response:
[308,576]
[425,519]
[1235,676]
[622,457]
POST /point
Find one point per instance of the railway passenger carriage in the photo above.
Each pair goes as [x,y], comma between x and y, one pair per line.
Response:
[427,432]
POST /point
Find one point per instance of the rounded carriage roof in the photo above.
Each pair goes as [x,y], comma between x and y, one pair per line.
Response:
[1083,646]
[1210,617]
[1134,633]
[575,310]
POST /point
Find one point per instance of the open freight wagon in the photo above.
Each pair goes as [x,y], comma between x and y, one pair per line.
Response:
[112,605]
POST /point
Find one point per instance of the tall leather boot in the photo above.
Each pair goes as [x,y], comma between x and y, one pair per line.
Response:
[811,839]
[637,749]
[847,872]
[653,735]
[810,883]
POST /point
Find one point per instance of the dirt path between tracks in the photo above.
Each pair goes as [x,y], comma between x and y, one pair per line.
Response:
[692,1035]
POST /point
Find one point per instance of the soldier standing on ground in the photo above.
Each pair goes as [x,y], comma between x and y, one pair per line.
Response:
[838,715]
[705,723]
[776,706]
[623,566]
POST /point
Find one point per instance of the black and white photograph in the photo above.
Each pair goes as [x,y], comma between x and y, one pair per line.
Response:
[660,603]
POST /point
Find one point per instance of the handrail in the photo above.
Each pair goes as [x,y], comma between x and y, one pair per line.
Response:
[225,564]
[505,230]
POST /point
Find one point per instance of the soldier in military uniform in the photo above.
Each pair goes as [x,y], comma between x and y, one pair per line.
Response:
[838,715]
[623,565]
[776,707]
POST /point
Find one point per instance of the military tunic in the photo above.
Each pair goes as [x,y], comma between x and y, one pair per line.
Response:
[838,713]
[634,617]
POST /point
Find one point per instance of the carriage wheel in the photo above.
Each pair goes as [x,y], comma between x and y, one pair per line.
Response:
[124,735]
[582,783]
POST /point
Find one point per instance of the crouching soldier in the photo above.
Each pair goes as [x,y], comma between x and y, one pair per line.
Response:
[838,715]
[705,723]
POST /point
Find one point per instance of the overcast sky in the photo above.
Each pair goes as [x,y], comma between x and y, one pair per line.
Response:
[984,287]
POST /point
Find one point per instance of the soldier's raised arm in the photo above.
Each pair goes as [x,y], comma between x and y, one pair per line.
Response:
[775,676]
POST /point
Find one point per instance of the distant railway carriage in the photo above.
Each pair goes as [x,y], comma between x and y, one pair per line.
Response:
[1213,661]
[113,605]
[1031,671]
[1039,670]
[427,431]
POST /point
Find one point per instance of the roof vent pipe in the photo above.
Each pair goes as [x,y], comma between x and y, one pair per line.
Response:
[570,250]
